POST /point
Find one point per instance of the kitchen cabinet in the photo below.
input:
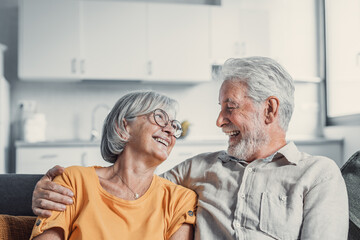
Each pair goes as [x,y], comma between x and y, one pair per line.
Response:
[49,39]
[237,32]
[179,42]
[38,158]
[113,40]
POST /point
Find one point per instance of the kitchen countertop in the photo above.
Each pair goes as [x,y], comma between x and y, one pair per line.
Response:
[183,142]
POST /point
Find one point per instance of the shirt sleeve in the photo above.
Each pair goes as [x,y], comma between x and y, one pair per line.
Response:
[184,211]
[57,219]
[179,174]
[326,208]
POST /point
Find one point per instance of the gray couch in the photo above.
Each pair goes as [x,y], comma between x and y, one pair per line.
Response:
[351,174]
[16,193]
[16,216]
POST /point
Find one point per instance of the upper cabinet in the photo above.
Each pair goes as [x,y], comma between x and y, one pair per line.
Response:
[167,42]
[179,42]
[114,40]
[237,32]
[49,39]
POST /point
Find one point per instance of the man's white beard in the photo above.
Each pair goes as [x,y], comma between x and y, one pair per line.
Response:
[251,141]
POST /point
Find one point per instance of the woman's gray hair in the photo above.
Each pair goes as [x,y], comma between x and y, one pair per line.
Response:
[128,107]
[264,78]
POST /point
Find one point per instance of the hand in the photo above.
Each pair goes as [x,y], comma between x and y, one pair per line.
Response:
[49,196]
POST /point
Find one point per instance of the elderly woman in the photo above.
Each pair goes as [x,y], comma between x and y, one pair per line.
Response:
[126,200]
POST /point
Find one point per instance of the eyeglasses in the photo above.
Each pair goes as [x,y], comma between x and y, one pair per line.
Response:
[162,120]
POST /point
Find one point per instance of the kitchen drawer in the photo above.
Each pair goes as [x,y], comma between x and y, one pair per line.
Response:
[40,159]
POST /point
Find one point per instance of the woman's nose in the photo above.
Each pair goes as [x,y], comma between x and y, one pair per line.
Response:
[169,129]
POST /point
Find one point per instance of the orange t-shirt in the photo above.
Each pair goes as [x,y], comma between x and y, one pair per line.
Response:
[96,214]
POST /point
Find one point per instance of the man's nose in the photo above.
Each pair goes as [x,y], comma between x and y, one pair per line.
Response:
[221,120]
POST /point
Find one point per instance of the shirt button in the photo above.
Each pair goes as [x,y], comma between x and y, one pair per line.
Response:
[283,198]
[237,224]
[242,195]
[250,170]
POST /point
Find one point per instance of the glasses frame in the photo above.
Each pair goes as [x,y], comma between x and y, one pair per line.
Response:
[177,132]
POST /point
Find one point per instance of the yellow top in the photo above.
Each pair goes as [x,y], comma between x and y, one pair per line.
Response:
[96,214]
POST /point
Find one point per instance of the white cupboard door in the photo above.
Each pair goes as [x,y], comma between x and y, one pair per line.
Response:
[225,34]
[39,160]
[178,42]
[343,40]
[48,39]
[237,32]
[114,40]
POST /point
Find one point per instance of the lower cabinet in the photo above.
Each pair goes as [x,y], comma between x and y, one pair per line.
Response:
[39,159]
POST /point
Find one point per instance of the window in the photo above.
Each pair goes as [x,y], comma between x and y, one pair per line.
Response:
[342,58]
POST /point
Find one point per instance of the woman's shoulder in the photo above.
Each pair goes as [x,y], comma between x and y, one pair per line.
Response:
[78,172]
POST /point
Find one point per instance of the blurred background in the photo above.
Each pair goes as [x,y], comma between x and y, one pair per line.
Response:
[65,63]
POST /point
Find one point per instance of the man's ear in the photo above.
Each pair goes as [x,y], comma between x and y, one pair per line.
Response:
[271,109]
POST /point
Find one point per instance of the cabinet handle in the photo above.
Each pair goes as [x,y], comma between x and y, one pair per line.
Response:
[82,66]
[49,156]
[73,65]
[149,67]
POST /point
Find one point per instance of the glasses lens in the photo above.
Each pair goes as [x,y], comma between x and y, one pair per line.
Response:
[177,128]
[161,118]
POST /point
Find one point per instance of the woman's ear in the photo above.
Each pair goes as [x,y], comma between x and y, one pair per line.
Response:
[272,109]
[124,136]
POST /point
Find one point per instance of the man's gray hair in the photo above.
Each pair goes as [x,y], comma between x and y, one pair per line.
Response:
[128,107]
[264,78]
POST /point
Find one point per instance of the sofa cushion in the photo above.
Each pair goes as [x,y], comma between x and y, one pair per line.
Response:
[16,193]
[16,227]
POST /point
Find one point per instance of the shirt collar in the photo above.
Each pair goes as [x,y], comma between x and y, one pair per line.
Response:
[289,152]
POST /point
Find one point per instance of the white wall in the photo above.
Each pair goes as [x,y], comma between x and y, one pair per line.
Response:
[68,106]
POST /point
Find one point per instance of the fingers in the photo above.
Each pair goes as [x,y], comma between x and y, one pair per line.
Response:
[52,191]
[55,171]
[48,195]
[41,205]
[41,213]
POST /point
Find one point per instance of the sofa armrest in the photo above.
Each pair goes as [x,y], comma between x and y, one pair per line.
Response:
[16,227]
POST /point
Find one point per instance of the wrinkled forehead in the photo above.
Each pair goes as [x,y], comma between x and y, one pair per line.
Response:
[232,91]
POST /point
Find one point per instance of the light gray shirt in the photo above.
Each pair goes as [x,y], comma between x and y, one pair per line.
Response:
[289,195]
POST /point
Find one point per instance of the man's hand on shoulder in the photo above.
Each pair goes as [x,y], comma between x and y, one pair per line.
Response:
[49,196]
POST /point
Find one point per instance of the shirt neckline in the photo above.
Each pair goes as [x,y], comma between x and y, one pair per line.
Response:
[120,200]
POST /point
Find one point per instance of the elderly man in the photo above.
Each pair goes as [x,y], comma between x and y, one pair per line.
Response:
[262,187]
